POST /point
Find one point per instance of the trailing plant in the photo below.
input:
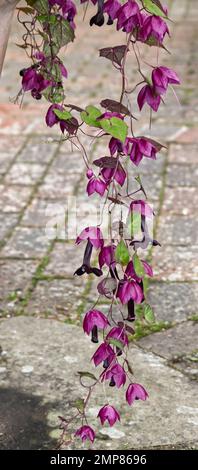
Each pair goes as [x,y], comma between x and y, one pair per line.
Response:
[50,25]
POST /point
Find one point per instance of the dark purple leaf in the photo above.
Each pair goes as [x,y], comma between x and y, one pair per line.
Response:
[115,107]
[106,162]
[73,106]
[114,54]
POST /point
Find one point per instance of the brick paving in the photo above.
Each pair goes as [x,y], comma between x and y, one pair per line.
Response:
[36,171]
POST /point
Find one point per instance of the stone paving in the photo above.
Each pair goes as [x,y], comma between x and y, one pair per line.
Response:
[39,297]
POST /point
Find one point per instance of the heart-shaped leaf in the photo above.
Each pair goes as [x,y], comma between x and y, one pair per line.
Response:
[114,54]
[115,107]
[138,266]
[115,127]
[149,314]
[87,374]
[154,7]
[90,115]
[79,404]
[122,253]
[106,162]
[63,115]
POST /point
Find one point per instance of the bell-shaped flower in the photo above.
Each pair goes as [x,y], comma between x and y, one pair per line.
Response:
[107,256]
[85,432]
[96,185]
[148,95]
[130,290]
[118,174]
[94,318]
[112,7]
[86,264]
[135,392]
[141,206]
[153,27]
[130,270]
[103,353]
[115,145]
[129,16]
[139,147]
[69,125]
[118,333]
[116,375]
[93,234]
[161,77]
[108,413]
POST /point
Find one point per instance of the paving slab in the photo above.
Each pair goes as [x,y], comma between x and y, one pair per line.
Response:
[176,264]
[15,277]
[57,298]
[42,358]
[173,301]
[26,242]
[174,341]
[177,230]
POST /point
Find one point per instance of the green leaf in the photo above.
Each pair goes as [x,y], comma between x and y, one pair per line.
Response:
[134,223]
[129,366]
[87,374]
[42,6]
[54,94]
[115,342]
[138,266]
[64,115]
[79,404]
[61,34]
[90,115]
[26,10]
[149,314]
[152,7]
[115,127]
[122,253]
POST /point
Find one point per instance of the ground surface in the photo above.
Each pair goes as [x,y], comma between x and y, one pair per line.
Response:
[39,296]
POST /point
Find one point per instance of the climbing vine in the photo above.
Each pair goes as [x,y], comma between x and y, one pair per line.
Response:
[48,26]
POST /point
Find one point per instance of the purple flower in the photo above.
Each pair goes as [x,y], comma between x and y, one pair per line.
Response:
[161,77]
[147,95]
[89,173]
[118,333]
[115,145]
[130,271]
[116,374]
[142,207]
[130,290]
[93,234]
[118,174]
[68,9]
[51,117]
[85,432]
[108,413]
[129,16]
[103,353]
[107,256]
[153,27]
[112,7]
[96,185]
[94,318]
[33,80]
[63,70]
[135,392]
[86,264]
[70,125]
[139,147]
